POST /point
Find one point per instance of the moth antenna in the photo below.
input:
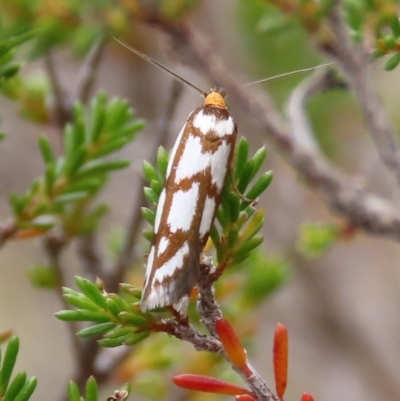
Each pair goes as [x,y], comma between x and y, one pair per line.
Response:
[286,74]
[159,65]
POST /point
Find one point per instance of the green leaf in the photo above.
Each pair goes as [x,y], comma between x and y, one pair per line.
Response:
[81,315]
[260,186]
[75,161]
[8,363]
[157,187]
[15,387]
[248,246]
[234,207]
[114,342]
[92,292]
[253,227]
[246,176]
[242,151]
[151,197]
[150,172]
[45,149]
[222,251]
[73,392]
[27,390]
[131,290]
[91,389]
[162,161]
[148,234]
[96,330]
[79,125]
[148,215]
[2,135]
[214,235]
[79,300]
[17,203]
[232,237]
[258,159]
[70,197]
[96,167]
[118,331]
[97,117]
[133,319]
[88,185]
[50,178]
[113,307]
[136,337]
[111,146]
[393,62]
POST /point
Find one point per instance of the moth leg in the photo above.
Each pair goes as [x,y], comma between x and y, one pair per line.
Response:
[236,189]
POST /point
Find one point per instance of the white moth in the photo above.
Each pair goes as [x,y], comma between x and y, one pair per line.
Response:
[196,175]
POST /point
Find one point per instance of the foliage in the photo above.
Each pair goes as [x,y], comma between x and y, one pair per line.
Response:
[19,388]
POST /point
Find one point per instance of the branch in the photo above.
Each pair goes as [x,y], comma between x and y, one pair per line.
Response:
[62,110]
[87,75]
[343,194]
[7,230]
[354,62]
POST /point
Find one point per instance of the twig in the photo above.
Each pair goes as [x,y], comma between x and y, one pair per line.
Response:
[7,230]
[135,221]
[298,120]
[354,62]
[344,195]
[91,256]
[54,245]
[209,312]
[88,72]
[62,110]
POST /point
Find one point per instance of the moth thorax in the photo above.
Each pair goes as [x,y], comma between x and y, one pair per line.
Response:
[215,99]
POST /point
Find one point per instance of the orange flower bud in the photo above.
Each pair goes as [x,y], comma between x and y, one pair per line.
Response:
[307,397]
[280,358]
[232,346]
[208,385]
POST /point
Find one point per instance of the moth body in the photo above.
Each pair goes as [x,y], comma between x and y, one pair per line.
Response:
[196,175]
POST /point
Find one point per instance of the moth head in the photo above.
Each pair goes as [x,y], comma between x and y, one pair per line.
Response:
[215,99]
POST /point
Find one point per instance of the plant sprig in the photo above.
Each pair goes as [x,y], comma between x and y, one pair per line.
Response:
[71,181]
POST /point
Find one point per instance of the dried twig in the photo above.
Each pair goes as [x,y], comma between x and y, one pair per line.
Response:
[87,76]
[354,62]
[7,230]
[62,110]
[343,194]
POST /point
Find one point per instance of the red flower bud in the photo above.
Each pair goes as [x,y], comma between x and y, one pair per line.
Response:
[307,397]
[232,346]
[280,358]
[208,385]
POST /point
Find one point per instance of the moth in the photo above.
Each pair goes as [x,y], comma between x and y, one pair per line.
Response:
[196,174]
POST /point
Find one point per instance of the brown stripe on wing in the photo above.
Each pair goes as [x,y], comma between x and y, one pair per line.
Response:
[171,289]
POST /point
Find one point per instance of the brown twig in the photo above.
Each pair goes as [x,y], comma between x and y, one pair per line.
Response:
[7,230]
[54,245]
[62,110]
[87,76]
[355,61]
[343,194]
